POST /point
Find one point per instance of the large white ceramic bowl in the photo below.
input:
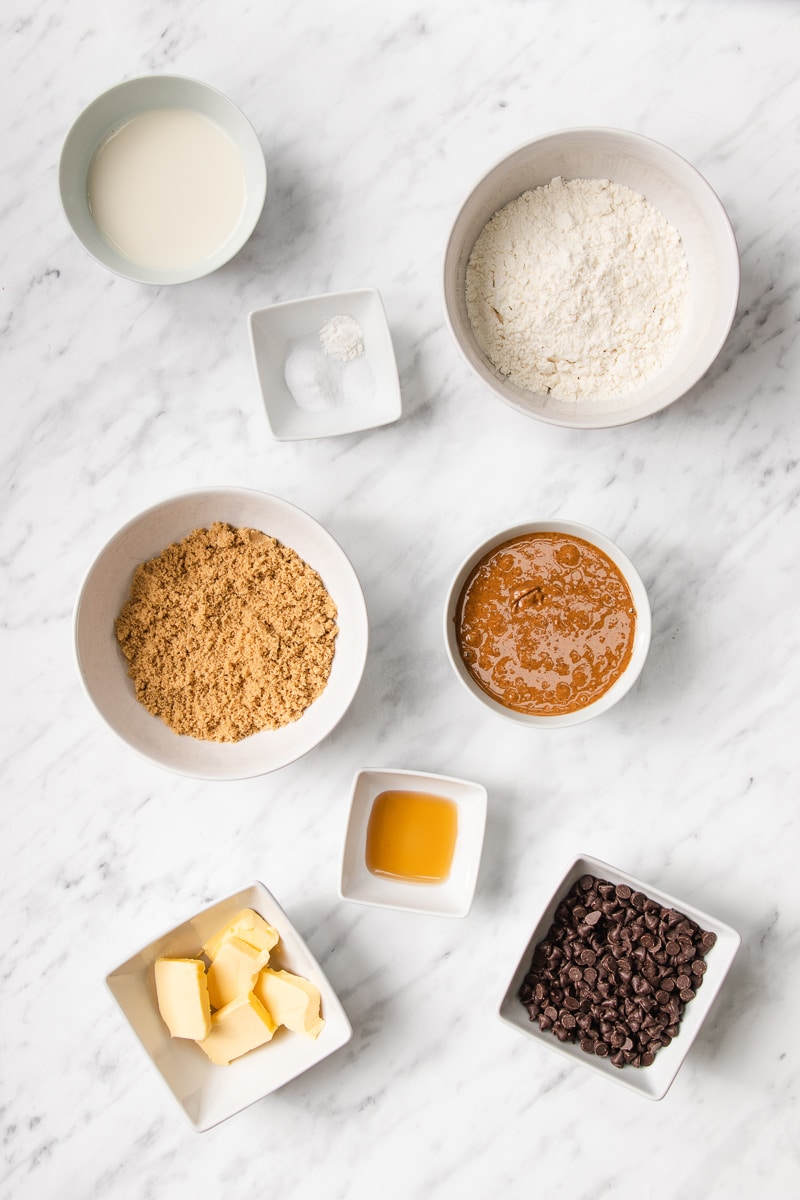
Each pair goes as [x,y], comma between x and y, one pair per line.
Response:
[654,1081]
[667,182]
[111,110]
[641,642]
[103,668]
[207,1093]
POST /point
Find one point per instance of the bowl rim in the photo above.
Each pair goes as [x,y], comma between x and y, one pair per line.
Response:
[642,633]
[622,416]
[298,301]
[243,232]
[188,494]
[479,803]
[728,939]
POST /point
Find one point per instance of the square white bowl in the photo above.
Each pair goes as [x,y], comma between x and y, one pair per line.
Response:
[274,331]
[452,897]
[653,1081]
[208,1093]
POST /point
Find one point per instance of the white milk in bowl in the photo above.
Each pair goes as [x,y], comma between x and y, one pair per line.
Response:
[167,188]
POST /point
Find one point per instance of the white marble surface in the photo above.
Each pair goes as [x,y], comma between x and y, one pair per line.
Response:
[376,120]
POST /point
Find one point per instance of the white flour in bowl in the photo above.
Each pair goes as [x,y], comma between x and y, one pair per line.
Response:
[579,289]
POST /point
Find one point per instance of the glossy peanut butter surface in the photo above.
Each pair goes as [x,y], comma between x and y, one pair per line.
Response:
[545,623]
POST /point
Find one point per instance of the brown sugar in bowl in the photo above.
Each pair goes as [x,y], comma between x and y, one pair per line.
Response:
[580,646]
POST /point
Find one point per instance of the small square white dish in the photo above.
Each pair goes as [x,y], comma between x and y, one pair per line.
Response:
[451,898]
[370,388]
[208,1093]
[652,1081]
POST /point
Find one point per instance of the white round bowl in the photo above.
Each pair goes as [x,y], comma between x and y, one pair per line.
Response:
[667,182]
[103,668]
[641,640]
[119,105]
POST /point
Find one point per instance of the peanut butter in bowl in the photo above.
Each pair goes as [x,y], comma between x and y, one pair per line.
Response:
[548,623]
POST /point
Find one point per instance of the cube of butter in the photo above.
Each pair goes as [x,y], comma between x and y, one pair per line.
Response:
[182,994]
[249,927]
[233,971]
[291,1001]
[237,1028]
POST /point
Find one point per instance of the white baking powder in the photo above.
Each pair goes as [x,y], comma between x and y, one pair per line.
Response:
[342,338]
[579,289]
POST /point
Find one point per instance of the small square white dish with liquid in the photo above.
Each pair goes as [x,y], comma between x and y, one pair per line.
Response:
[413,842]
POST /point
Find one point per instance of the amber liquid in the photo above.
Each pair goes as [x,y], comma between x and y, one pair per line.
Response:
[412,836]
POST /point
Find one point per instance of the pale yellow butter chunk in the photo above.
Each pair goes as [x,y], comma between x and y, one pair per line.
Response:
[249,927]
[291,1001]
[182,994]
[237,1028]
[233,971]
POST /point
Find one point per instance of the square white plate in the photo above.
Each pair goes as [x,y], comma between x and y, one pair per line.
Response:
[276,330]
[653,1081]
[452,897]
[208,1093]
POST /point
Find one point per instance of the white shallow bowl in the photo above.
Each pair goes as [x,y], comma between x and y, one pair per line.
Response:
[274,331]
[641,639]
[672,186]
[208,1093]
[654,1081]
[453,897]
[103,668]
[118,105]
